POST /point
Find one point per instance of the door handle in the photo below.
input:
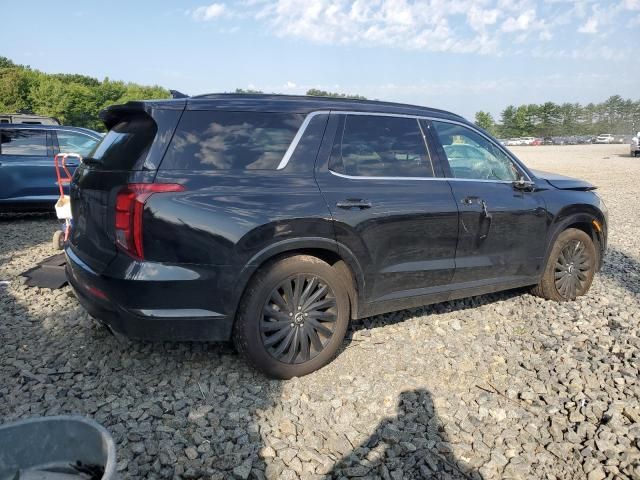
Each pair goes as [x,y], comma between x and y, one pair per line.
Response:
[353,203]
[471,200]
[487,220]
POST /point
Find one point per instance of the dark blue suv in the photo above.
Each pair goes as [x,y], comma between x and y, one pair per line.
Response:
[27,175]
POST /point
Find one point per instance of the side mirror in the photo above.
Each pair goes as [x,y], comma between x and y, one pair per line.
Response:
[523,185]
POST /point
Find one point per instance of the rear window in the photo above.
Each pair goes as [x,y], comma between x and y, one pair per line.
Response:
[231,140]
[125,144]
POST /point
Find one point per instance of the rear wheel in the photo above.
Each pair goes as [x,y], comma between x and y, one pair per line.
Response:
[570,268]
[293,317]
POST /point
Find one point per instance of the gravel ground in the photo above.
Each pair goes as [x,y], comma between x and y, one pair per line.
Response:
[497,386]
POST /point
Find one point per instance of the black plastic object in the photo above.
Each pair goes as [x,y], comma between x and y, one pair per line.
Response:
[49,273]
[56,448]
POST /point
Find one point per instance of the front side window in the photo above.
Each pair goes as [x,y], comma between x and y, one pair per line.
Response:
[23,142]
[380,146]
[210,140]
[72,142]
[472,156]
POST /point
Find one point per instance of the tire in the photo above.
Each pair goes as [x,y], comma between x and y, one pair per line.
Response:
[284,337]
[570,267]
[58,240]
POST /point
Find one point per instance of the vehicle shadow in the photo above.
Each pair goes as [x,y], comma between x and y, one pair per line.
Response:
[175,410]
[622,269]
[459,305]
[410,445]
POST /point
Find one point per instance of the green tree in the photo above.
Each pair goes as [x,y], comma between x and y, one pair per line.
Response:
[314,92]
[485,121]
[549,117]
[508,120]
[247,90]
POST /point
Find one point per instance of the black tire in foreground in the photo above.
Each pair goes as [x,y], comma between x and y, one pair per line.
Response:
[293,317]
[570,267]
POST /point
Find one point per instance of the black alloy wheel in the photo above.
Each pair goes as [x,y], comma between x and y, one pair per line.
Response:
[572,269]
[298,319]
[293,316]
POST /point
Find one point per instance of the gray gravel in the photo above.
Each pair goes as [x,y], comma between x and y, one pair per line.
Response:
[498,386]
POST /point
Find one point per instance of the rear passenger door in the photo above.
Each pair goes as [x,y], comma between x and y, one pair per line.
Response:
[26,166]
[389,208]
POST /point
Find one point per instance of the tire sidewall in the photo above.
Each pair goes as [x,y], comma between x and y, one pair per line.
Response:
[247,330]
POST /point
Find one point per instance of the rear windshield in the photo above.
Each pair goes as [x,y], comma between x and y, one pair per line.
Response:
[125,144]
[208,140]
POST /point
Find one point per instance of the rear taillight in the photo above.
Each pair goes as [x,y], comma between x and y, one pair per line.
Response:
[129,207]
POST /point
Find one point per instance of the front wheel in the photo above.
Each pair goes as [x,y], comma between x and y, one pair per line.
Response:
[570,267]
[293,317]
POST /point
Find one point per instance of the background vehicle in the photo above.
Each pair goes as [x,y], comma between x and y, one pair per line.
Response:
[527,140]
[604,138]
[27,119]
[274,220]
[634,146]
[27,175]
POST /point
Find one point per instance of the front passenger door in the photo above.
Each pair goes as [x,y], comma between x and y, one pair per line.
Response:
[503,227]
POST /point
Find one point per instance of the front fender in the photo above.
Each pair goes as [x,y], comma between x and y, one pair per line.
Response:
[579,214]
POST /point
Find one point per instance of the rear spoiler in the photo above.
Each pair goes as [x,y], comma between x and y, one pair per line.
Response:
[114,114]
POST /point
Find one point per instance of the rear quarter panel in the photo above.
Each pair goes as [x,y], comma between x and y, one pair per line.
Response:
[235,221]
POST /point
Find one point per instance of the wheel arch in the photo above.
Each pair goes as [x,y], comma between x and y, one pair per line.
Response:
[581,217]
[329,251]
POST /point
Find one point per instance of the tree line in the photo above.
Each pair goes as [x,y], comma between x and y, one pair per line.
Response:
[71,98]
[615,115]
[77,99]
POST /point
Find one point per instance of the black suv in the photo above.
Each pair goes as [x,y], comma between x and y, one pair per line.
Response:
[275,220]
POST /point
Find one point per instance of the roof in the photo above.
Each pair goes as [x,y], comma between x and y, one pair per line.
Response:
[290,103]
[50,127]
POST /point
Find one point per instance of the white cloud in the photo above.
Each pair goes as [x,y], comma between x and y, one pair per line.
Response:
[630,5]
[207,12]
[489,27]
[591,26]
[522,22]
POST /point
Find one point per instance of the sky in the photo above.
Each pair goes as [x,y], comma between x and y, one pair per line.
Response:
[459,55]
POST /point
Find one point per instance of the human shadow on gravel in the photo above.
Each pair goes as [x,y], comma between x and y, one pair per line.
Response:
[411,445]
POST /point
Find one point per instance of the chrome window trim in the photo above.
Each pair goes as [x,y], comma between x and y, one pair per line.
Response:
[294,143]
[436,179]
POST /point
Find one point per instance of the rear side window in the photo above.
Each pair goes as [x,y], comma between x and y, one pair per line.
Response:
[208,140]
[125,144]
[380,146]
[23,142]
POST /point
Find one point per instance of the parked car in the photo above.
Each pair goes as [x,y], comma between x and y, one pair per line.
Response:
[27,174]
[275,220]
[635,145]
[527,140]
[605,138]
[27,119]
[513,142]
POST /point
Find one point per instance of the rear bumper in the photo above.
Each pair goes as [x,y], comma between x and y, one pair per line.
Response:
[100,296]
